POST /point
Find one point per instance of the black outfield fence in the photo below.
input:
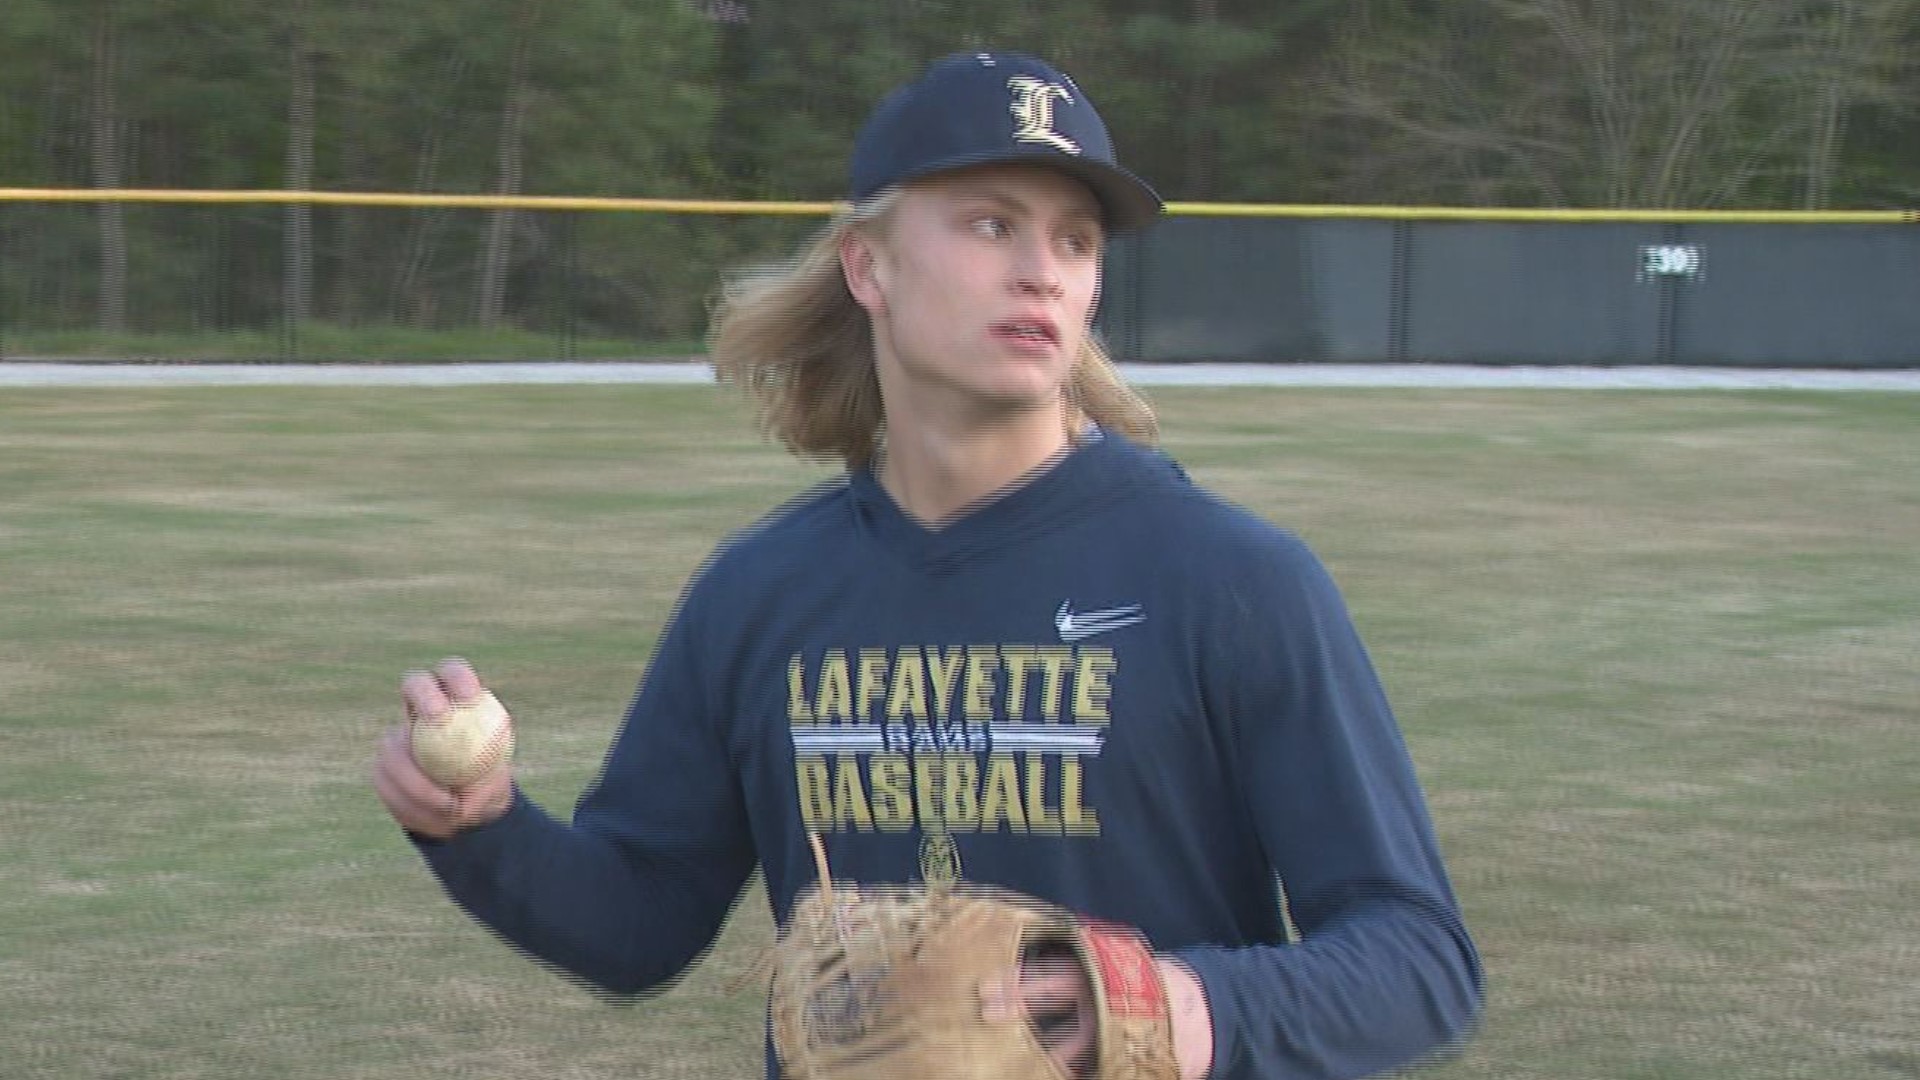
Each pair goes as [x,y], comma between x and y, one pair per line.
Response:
[283,276]
[1792,291]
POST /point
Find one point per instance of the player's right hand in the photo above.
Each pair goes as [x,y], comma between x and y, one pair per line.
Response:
[415,801]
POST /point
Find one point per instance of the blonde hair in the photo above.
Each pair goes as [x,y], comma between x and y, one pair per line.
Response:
[796,342]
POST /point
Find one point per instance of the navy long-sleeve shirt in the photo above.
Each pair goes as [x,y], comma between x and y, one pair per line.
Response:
[1107,688]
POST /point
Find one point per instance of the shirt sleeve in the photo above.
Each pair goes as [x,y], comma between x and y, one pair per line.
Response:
[638,885]
[1383,973]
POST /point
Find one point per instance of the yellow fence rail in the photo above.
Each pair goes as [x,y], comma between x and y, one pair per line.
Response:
[749,207]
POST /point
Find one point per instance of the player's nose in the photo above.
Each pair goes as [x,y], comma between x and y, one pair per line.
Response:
[1037,271]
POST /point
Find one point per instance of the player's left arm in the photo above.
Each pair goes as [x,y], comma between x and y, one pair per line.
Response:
[1385,973]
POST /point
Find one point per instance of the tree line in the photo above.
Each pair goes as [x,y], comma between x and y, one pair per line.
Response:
[1576,103]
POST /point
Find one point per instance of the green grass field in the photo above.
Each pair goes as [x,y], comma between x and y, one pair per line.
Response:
[1658,656]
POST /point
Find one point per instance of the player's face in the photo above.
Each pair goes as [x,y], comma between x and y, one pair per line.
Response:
[982,285]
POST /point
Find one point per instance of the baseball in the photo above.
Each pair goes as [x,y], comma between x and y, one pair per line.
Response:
[464,743]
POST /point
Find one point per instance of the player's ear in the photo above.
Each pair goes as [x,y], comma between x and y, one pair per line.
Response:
[862,264]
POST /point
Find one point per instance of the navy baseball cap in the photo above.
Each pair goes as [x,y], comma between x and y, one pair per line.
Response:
[986,108]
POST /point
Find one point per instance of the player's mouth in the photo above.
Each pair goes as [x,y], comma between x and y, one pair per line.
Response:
[1028,334]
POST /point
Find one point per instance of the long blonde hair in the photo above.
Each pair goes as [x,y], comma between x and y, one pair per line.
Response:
[796,342]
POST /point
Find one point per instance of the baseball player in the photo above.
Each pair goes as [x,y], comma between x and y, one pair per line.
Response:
[1014,644]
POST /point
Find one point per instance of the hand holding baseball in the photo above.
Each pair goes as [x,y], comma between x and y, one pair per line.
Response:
[457,731]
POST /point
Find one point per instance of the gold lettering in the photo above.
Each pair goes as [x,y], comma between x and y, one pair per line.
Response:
[950,791]
[944,665]
[1000,796]
[1092,683]
[982,663]
[908,694]
[1054,661]
[849,799]
[816,790]
[1076,818]
[887,778]
[960,792]
[926,803]
[873,682]
[1040,818]
[835,700]
[797,710]
[1017,659]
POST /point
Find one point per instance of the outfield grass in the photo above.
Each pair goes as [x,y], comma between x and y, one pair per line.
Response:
[1656,654]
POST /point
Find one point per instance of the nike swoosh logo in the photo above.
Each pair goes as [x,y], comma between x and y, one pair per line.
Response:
[1079,625]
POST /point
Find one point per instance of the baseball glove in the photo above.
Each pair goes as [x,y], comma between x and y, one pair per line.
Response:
[890,983]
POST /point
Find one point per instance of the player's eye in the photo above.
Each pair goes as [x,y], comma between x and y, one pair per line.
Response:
[992,227]
[1081,243]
